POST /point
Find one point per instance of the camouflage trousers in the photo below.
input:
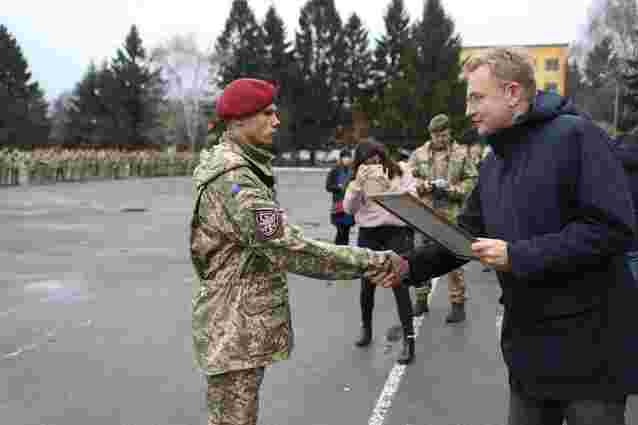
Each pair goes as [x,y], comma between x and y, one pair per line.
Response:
[456,283]
[233,397]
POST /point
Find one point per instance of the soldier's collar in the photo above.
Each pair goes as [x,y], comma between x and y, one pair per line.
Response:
[257,156]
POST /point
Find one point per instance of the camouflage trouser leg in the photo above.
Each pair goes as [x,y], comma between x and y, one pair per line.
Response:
[456,286]
[233,397]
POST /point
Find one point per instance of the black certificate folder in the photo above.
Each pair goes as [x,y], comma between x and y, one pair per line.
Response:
[422,218]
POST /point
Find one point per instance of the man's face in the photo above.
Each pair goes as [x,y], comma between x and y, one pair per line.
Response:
[488,101]
[259,128]
[441,138]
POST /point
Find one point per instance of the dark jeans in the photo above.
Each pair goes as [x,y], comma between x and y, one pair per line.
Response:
[527,411]
[398,239]
[343,234]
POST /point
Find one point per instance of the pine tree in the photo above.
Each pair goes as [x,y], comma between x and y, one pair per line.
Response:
[391,46]
[23,109]
[630,80]
[277,53]
[241,45]
[601,64]
[140,92]
[358,60]
[437,68]
[281,69]
[320,55]
[84,110]
[601,76]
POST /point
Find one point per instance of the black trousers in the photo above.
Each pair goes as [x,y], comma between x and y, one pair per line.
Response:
[399,239]
[527,411]
[343,234]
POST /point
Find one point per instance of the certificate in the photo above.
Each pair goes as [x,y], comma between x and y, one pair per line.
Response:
[424,219]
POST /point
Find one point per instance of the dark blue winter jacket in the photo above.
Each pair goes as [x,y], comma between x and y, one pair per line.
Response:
[553,190]
[627,153]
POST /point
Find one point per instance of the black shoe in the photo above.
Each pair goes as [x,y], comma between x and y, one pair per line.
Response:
[420,307]
[365,338]
[407,353]
[457,313]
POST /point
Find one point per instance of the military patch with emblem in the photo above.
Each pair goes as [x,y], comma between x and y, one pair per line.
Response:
[269,223]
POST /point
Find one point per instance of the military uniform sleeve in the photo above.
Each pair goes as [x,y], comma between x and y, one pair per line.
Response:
[468,175]
[260,226]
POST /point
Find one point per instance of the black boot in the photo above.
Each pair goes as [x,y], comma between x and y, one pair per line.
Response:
[365,338]
[407,353]
[420,307]
[457,313]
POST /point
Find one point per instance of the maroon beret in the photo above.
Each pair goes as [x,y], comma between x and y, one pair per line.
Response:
[244,97]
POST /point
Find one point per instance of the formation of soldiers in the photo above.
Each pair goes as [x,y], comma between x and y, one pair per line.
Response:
[50,165]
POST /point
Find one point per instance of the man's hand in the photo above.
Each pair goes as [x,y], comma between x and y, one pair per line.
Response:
[424,188]
[492,253]
[389,273]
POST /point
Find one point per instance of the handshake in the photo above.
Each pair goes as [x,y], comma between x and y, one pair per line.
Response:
[438,188]
[387,269]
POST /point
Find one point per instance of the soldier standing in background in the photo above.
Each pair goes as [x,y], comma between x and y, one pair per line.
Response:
[447,174]
[241,248]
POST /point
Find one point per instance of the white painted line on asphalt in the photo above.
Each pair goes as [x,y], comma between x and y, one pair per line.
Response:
[384,402]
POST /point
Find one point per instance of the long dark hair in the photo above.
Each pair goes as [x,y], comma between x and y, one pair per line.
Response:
[368,149]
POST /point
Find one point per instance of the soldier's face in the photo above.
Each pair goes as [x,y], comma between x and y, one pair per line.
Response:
[260,128]
[488,101]
[441,138]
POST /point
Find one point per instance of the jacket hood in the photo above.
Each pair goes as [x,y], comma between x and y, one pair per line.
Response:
[545,107]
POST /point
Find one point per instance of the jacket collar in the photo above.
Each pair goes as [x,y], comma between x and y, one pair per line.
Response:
[256,156]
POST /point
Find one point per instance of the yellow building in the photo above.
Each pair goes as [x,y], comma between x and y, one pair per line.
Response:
[550,63]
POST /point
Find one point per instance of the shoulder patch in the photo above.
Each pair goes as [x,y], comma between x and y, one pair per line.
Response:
[269,223]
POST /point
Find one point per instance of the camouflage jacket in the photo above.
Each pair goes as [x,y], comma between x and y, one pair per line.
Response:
[452,164]
[241,248]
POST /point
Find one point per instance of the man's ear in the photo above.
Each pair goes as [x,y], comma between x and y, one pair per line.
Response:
[514,93]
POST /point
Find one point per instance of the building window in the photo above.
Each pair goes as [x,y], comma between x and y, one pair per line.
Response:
[551,86]
[552,64]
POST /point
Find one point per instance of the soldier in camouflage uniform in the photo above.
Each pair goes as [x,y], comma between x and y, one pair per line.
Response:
[242,246]
[447,174]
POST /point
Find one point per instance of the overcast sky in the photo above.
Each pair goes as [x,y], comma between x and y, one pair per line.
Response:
[60,38]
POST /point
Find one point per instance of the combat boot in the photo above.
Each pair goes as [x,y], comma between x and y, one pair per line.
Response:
[421,304]
[407,353]
[456,314]
[365,338]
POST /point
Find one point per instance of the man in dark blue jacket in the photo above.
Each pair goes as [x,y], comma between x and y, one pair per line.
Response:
[552,215]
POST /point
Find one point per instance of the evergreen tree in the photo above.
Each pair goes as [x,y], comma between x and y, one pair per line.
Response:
[601,77]
[241,45]
[601,64]
[140,92]
[277,53]
[23,109]
[630,80]
[320,55]
[437,67]
[391,46]
[280,68]
[85,111]
[358,60]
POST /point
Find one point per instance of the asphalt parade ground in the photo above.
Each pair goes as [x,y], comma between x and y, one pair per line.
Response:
[95,298]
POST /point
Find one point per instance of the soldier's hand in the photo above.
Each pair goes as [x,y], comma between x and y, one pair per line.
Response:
[424,188]
[389,273]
